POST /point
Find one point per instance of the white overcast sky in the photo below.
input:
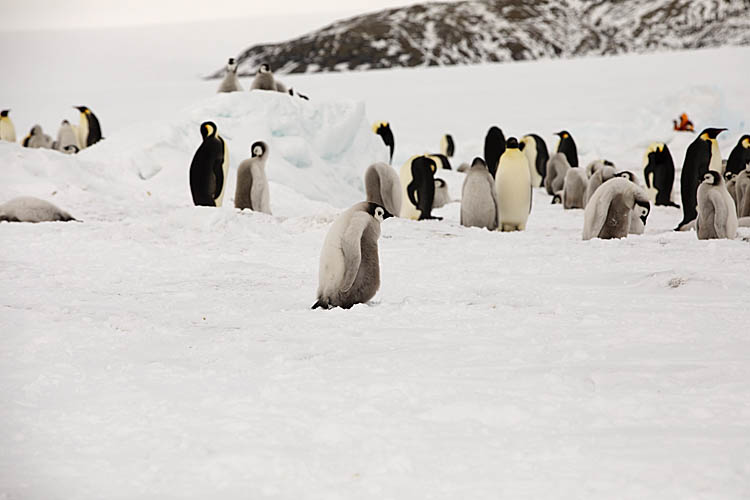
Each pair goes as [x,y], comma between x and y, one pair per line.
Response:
[71,14]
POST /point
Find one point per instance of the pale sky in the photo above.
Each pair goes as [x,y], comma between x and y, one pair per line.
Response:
[69,14]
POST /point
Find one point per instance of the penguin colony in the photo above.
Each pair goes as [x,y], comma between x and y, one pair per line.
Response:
[496,193]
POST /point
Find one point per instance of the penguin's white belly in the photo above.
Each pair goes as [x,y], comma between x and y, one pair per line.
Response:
[7,131]
[530,152]
[83,133]
[652,191]
[225,168]
[716,165]
[408,211]
[513,194]
[332,264]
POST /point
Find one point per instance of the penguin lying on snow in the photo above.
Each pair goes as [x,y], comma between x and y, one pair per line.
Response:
[383,129]
[383,187]
[442,196]
[418,188]
[479,198]
[349,263]
[30,209]
[536,153]
[36,138]
[7,130]
[609,211]
[513,186]
[701,156]
[264,79]
[717,215]
[252,184]
[208,170]
[230,83]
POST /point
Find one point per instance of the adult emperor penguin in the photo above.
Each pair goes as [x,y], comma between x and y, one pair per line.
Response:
[494,147]
[557,167]
[599,177]
[740,155]
[742,192]
[36,138]
[442,196]
[230,83]
[67,142]
[658,172]
[208,171]
[479,198]
[441,161]
[513,188]
[7,130]
[567,146]
[349,264]
[701,156]
[536,153]
[264,79]
[252,184]
[574,189]
[383,129]
[383,187]
[609,211]
[447,146]
[717,215]
[418,188]
[30,209]
[89,130]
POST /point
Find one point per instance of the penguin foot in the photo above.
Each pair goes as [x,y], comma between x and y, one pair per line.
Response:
[321,303]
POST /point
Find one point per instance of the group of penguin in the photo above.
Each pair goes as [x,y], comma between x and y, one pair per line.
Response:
[264,80]
[70,138]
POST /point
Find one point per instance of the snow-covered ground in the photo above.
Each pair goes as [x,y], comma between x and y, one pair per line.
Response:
[159,350]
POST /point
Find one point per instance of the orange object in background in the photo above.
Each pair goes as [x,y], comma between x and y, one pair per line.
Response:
[684,125]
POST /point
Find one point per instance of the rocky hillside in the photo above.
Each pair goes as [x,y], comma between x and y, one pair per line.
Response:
[477,31]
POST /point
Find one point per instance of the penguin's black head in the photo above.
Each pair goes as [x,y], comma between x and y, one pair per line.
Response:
[258,149]
[478,161]
[711,133]
[65,122]
[71,148]
[208,129]
[511,143]
[608,163]
[564,134]
[625,174]
[264,68]
[744,141]
[642,209]
[439,183]
[82,109]
[231,60]
[378,211]
[495,133]
[712,177]
[728,175]
[4,113]
[556,199]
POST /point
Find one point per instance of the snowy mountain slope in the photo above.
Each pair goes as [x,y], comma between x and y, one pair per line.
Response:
[159,350]
[476,31]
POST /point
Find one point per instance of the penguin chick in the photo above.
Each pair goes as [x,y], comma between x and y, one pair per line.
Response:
[742,192]
[264,79]
[7,129]
[574,188]
[252,184]
[730,179]
[557,167]
[30,209]
[37,138]
[479,198]
[349,264]
[67,142]
[599,177]
[383,187]
[608,213]
[442,196]
[230,83]
[717,215]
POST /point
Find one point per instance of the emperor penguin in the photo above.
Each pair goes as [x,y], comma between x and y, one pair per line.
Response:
[383,129]
[717,215]
[730,179]
[383,187]
[208,170]
[230,83]
[36,138]
[740,155]
[536,153]
[441,161]
[479,198]
[447,146]
[658,172]
[280,87]
[742,192]
[609,211]
[418,188]
[595,165]
[513,187]
[442,196]
[89,130]
[30,209]
[701,156]
[264,79]
[252,184]
[7,130]
[567,146]
[349,263]
[67,142]
[599,177]
[494,147]
[574,189]
[557,167]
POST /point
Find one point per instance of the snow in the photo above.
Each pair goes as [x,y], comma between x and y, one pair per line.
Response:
[159,350]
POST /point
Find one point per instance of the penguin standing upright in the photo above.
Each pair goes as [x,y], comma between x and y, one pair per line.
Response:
[67,142]
[89,130]
[658,172]
[252,184]
[717,215]
[349,262]
[208,170]
[447,146]
[557,167]
[418,188]
[599,177]
[742,192]
[479,198]
[494,147]
[383,129]
[701,156]
[264,79]
[7,130]
[574,189]
[513,187]
[567,146]
[230,83]
[536,153]
[740,155]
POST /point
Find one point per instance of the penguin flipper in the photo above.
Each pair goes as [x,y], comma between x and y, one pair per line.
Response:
[411,190]
[351,247]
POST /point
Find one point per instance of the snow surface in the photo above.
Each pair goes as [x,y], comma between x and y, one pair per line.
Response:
[159,350]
